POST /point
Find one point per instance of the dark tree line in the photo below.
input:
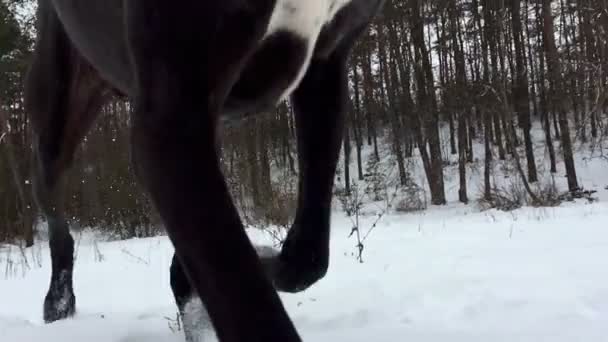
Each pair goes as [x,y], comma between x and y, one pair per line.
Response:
[428,81]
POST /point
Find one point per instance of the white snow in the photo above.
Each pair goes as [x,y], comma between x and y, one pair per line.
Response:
[447,274]
[451,273]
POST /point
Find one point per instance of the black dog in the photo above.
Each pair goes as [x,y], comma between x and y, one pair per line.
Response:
[186,65]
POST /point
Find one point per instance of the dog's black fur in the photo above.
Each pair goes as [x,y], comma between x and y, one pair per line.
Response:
[187,65]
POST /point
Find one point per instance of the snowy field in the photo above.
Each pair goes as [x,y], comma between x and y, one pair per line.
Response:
[452,273]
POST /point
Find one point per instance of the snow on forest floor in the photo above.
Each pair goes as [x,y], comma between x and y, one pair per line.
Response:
[452,274]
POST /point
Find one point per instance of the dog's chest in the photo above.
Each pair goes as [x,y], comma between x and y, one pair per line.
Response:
[303,20]
[303,17]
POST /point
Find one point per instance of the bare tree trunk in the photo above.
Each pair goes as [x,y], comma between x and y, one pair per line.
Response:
[368,84]
[426,92]
[521,96]
[389,74]
[491,32]
[545,111]
[347,158]
[487,187]
[356,121]
[462,108]
[553,65]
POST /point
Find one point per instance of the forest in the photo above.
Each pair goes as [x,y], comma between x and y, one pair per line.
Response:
[504,88]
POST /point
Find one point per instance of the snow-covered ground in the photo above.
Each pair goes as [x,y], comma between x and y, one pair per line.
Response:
[451,273]
[446,274]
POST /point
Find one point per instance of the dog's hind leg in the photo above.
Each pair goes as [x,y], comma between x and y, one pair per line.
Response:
[63,95]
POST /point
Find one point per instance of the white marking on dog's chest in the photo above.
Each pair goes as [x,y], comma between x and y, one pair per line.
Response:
[305,18]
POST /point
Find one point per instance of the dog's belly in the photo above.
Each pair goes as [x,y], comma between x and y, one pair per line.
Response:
[272,73]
